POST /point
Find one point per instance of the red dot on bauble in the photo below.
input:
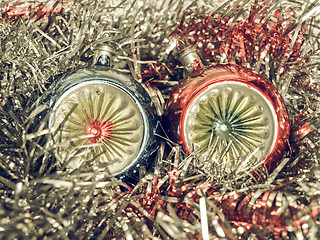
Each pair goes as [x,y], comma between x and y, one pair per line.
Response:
[100,130]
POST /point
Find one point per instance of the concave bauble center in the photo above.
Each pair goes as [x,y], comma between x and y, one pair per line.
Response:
[101,122]
[228,122]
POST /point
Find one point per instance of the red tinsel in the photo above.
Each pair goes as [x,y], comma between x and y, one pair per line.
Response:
[36,11]
[246,41]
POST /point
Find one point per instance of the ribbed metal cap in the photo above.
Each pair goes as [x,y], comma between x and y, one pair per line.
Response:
[188,56]
[103,55]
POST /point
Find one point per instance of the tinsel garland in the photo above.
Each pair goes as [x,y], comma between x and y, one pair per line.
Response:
[178,199]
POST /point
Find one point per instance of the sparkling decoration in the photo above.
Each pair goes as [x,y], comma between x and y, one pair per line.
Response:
[105,116]
[37,11]
[247,42]
[230,116]
[181,196]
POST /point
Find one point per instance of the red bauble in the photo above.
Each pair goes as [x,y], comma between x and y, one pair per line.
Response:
[230,115]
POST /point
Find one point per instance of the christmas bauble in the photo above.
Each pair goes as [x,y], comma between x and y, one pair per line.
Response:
[228,115]
[99,114]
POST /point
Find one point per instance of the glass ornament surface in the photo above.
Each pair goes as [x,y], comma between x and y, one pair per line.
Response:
[103,115]
[229,116]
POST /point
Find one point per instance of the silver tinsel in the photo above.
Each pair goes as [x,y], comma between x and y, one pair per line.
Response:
[178,199]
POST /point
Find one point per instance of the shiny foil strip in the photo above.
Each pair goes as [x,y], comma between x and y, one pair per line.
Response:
[39,200]
[35,11]
[245,41]
[246,213]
